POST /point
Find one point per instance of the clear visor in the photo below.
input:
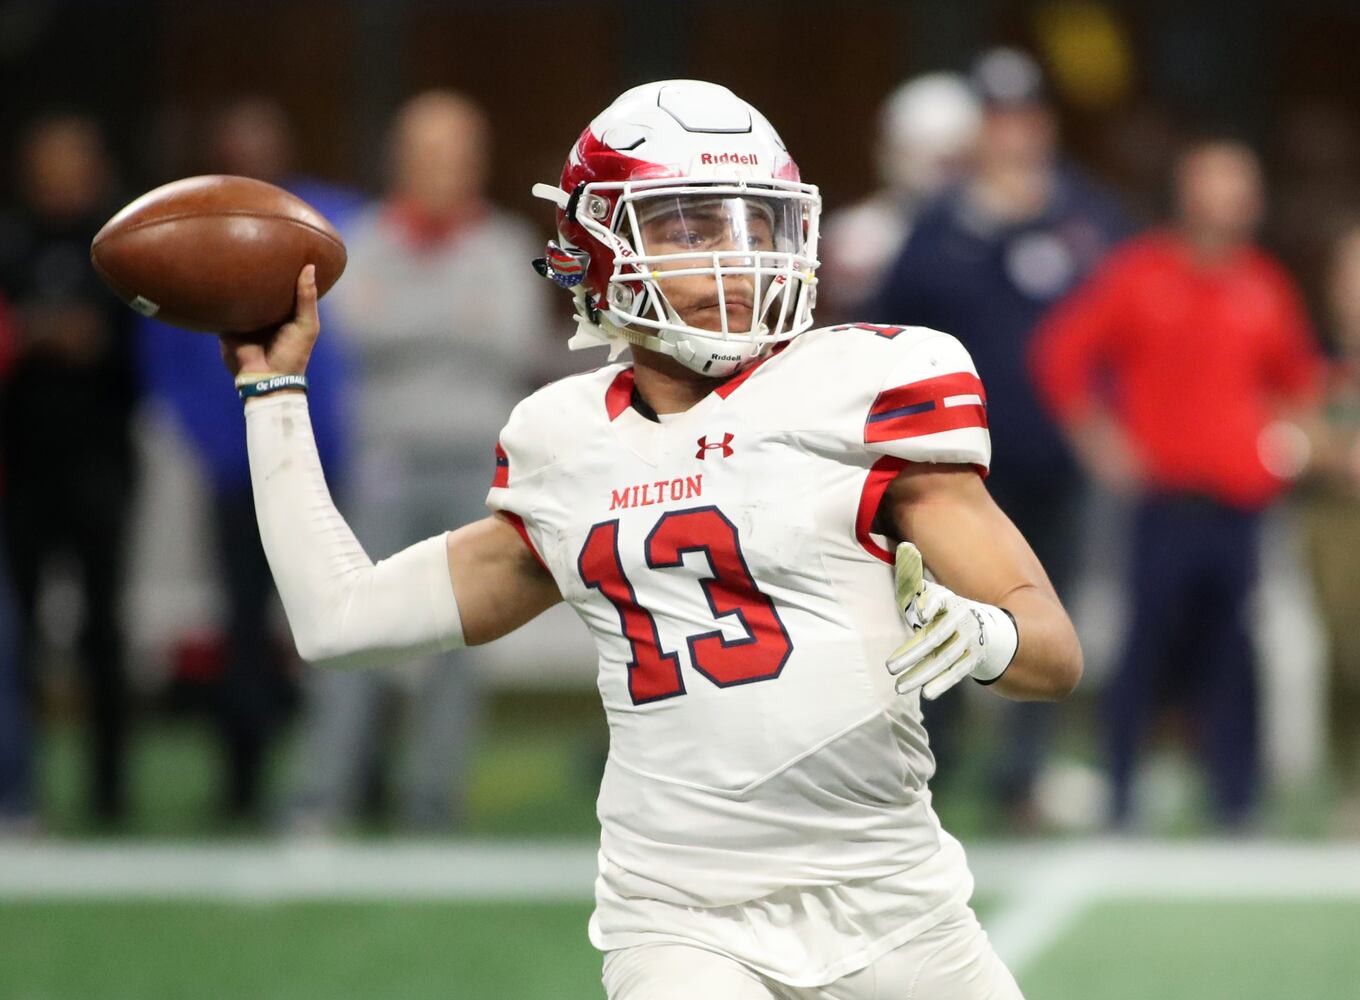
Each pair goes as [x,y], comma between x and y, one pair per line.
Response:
[672,224]
[729,264]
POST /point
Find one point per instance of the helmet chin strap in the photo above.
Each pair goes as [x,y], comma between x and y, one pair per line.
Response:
[705,363]
[606,330]
[696,359]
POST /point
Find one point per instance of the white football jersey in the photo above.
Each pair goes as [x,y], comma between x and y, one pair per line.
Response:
[724,560]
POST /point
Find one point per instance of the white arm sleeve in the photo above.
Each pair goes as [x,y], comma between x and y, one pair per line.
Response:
[344,610]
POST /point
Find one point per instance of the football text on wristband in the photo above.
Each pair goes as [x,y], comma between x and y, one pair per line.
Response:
[262,384]
[1000,641]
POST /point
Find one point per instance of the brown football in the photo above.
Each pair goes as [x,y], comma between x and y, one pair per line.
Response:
[218,253]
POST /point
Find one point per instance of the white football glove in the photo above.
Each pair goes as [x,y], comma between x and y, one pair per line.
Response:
[951,636]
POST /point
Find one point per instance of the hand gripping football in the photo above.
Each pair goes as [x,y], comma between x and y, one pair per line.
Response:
[219,254]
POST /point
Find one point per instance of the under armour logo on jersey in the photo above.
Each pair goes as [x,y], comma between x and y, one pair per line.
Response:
[704,447]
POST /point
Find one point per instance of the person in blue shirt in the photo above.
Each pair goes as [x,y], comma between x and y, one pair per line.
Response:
[183,370]
[985,261]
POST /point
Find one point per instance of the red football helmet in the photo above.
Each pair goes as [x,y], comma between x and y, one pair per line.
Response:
[683,184]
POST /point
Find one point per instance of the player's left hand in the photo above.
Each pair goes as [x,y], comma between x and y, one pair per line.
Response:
[951,636]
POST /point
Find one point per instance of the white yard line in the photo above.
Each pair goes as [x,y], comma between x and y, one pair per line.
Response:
[301,870]
[1044,887]
[1044,891]
[1047,887]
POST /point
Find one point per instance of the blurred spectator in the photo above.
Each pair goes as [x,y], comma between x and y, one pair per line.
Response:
[446,318]
[926,131]
[252,138]
[1332,523]
[984,262]
[66,452]
[1177,372]
[1317,157]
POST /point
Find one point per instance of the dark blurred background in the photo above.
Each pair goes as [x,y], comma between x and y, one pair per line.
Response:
[152,72]
[1125,75]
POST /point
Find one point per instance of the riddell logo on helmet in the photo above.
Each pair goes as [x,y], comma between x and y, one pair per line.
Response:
[718,159]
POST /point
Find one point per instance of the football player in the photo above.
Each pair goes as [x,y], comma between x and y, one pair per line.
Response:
[720,513]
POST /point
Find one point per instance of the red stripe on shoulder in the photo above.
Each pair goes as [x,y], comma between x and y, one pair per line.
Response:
[926,407]
[953,384]
[880,477]
[935,421]
[517,523]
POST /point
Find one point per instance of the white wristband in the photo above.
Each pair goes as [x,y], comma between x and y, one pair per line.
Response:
[1000,641]
[343,609]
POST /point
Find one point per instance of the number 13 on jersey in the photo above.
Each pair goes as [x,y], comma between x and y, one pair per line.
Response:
[654,674]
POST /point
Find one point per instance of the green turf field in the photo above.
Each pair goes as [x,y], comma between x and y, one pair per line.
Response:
[1204,950]
[399,951]
[133,950]
[1083,921]
[535,773]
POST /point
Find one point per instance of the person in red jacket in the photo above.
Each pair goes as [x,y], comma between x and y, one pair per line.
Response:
[1179,371]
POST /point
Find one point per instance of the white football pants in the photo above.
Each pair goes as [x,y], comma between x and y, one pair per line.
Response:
[951,961]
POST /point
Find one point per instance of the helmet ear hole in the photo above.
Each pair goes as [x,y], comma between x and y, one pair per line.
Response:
[597,208]
[621,296]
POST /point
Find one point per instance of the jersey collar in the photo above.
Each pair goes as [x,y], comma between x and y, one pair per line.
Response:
[622,393]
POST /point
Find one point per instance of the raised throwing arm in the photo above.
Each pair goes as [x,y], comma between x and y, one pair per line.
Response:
[463,587]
